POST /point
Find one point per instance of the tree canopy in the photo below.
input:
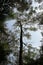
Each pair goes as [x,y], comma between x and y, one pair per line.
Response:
[26,14]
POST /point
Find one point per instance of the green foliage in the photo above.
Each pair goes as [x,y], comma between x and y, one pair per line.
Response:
[3,53]
[4,48]
[33,29]
[6,12]
[39,61]
[39,1]
[32,11]
[29,55]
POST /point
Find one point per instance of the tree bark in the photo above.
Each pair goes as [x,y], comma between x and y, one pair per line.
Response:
[21,47]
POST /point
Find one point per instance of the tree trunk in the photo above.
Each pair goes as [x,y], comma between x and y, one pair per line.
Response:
[21,47]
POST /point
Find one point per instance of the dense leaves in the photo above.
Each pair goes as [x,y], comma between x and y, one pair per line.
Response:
[6,12]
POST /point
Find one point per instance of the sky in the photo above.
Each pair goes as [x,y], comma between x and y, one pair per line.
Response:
[35,36]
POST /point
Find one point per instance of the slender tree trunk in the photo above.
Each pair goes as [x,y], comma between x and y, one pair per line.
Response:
[21,47]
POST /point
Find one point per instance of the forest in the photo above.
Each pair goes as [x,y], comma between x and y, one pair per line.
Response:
[21,32]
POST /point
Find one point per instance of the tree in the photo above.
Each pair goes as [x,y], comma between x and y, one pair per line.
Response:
[6,11]
[21,47]
[4,48]
[38,1]
[29,55]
